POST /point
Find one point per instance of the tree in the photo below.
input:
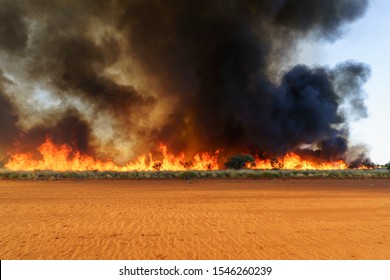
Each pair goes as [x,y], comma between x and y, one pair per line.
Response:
[239,161]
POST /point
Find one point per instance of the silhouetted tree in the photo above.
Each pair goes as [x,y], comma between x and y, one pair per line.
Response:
[239,161]
[276,164]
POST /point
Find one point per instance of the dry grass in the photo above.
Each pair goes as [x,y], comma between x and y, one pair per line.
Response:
[190,174]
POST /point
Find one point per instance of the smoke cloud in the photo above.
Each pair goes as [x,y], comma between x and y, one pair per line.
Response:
[115,78]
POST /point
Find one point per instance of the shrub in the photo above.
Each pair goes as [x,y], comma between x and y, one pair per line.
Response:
[239,161]
[188,175]
[276,164]
[157,166]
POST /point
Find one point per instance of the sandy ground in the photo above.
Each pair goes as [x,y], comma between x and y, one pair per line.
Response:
[200,219]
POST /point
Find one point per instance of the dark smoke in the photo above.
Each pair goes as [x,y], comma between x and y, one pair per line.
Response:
[197,75]
[8,120]
[70,129]
[13,28]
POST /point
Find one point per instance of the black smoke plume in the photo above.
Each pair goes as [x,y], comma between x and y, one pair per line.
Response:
[116,77]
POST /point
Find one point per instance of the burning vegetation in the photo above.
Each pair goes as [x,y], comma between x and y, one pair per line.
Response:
[126,85]
[63,158]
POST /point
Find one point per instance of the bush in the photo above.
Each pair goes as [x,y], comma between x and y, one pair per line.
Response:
[239,161]
[188,175]
[276,164]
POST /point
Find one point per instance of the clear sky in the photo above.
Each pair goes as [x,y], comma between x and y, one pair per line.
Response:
[366,40]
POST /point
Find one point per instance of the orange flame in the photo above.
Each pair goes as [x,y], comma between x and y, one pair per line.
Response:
[64,158]
[293,161]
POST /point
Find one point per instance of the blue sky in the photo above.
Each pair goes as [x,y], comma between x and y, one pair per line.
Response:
[366,40]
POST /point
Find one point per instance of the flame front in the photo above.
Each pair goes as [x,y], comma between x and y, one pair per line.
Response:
[293,161]
[64,158]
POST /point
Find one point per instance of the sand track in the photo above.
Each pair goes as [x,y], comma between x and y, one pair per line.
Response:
[200,219]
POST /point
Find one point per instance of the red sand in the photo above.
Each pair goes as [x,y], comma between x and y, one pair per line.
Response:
[200,219]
